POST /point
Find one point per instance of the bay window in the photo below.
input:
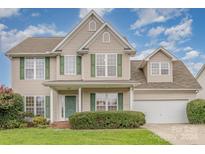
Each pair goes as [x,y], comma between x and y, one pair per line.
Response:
[34,68]
[106,65]
[106,101]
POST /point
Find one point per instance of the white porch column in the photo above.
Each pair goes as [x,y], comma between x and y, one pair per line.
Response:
[131,97]
[51,105]
[79,100]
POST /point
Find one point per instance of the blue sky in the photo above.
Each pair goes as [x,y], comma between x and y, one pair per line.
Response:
[181,31]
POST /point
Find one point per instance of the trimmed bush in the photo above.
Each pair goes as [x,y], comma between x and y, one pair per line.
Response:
[196,111]
[107,120]
[39,121]
[11,108]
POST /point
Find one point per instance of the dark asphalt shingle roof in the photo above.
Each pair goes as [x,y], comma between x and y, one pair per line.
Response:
[182,78]
[36,45]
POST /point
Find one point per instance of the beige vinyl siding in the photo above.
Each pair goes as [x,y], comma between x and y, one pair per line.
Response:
[30,87]
[86,97]
[159,57]
[79,37]
[201,80]
[164,95]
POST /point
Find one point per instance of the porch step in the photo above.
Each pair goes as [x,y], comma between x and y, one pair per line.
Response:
[60,124]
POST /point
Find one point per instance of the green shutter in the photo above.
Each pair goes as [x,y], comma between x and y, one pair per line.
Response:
[78,65]
[92,101]
[119,65]
[47,68]
[61,65]
[120,101]
[48,107]
[21,68]
[92,65]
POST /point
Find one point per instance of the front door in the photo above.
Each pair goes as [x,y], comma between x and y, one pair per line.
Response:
[70,106]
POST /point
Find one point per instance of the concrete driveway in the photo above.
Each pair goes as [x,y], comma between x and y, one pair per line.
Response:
[179,133]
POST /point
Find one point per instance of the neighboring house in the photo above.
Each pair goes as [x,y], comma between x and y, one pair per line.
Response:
[200,77]
[90,70]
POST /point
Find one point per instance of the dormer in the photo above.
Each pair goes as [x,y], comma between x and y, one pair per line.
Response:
[158,66]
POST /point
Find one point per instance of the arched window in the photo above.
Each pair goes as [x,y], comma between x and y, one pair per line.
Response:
[106,37]
[92,25]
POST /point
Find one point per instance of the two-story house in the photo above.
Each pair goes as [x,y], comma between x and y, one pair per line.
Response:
[90,70]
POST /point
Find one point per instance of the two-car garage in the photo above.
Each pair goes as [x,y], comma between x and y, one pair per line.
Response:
[162,111]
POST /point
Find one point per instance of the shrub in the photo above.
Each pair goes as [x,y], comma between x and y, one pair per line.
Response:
[11,108]
[107,120]
[39,121]
[196,111]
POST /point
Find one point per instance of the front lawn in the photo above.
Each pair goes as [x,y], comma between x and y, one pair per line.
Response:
[78,137]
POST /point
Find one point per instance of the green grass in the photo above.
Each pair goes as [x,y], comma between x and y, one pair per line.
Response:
[77,137]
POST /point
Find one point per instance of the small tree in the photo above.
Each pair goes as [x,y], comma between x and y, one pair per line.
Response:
[11,108]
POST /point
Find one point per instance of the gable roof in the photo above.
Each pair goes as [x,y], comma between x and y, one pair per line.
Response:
[92,12]
[165,51]
[160,49]
[35,45]
[114,31]
[182,78]
[200,71]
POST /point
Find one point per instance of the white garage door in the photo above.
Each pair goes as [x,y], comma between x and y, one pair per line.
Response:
[165,111]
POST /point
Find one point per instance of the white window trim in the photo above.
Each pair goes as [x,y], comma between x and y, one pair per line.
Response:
[44,97]
[75,72]
[90,29]
[106,64]
[106,101]
[103,39]
[34,58]
[160,73]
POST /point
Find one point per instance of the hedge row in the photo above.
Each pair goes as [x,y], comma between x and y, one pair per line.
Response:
[107,120]
[196,111]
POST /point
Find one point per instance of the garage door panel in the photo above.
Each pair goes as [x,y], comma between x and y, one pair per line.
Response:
[163,111]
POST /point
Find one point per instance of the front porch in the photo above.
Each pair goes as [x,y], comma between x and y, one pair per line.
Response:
[66,99]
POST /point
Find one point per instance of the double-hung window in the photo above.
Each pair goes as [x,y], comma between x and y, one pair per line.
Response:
[106,65]
[34,68]
[106,101]
[35,105]
[160,68]
[70,65]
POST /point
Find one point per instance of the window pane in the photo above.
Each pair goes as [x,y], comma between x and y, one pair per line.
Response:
[112,102]
[70,65]
[40,105]
[29,68]
[40,68]
[100,70]
[100,59]
[111,71]
[164,68]
[92,25]
[30,104]
[111,59]
[100,102]
[155,68]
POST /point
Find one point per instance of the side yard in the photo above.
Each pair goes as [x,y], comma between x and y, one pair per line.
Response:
[51,136]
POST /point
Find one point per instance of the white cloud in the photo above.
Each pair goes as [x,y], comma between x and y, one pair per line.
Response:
[8,12]
[100,11]
[153,32]
[180,31]
[142,54]
[2,27]
[187,48]
[191,54]
[133,44]
[35,14]
[149,16]
[10,38]
[194,67]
